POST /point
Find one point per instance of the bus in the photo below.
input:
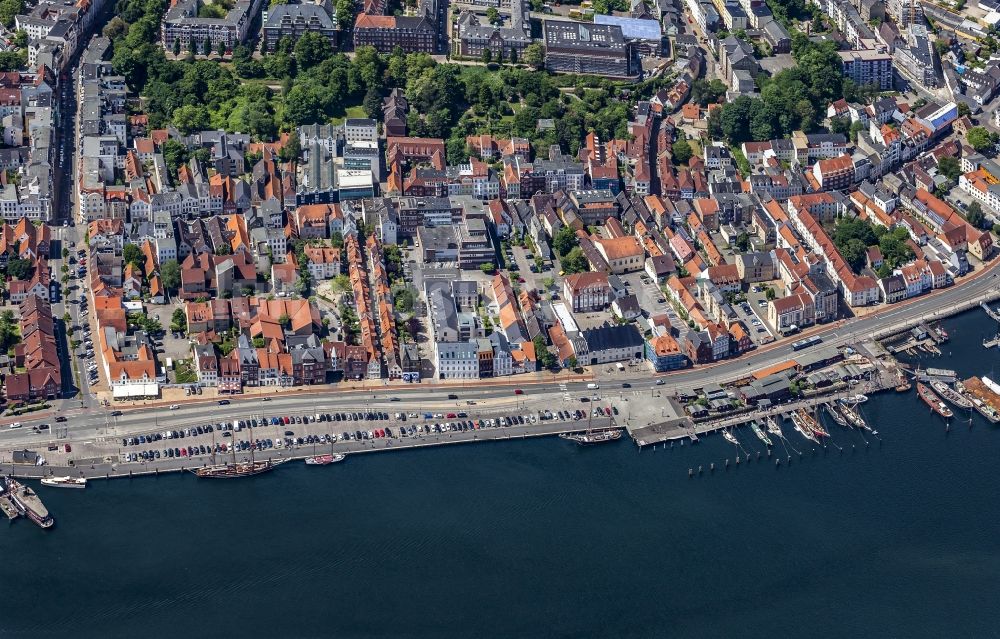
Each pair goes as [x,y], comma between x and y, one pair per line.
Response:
[805,343]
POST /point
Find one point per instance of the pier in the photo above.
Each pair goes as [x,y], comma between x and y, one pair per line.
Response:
[105,468]
[989,311]
[687,428]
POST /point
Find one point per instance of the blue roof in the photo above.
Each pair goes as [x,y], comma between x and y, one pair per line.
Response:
[633,28]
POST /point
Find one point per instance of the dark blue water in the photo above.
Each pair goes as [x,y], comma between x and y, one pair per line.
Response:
[542,539]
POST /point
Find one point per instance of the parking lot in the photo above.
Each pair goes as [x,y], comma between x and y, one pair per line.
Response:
[754,311]
[652,299]
[286,431]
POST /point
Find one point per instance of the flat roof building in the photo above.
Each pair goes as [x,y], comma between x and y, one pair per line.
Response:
[577,47]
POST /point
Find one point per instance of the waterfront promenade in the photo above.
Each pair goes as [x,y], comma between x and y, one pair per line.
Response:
[98,468]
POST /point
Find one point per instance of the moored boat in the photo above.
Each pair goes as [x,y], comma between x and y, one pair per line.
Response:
[27,503]
[853,416]
[729,437]
[835,415]
[931,399]
[65,482]
[593,437]
[802,429]
[856,399]
[773,427]
[810,422]
[237,469]
[950,394]
[323,460]
[755,427]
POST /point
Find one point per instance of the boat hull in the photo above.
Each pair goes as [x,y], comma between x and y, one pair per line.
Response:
[63,482]
[590,439]
[236,471]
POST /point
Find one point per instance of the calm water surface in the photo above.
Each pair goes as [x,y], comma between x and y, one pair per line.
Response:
[541,539]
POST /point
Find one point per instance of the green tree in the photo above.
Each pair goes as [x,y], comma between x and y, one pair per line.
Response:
[980,139]
[404,300]
[840,125]
[743,242]
[564,241]
[190,118]
[177,47]
[373,103]
[575,261]
[487,55]
[493,16]
[9,9]
[178,321]
[534,55]
[682,151]
[964,110]
[311,49]
[132,254]
[221,49]
[545,357]
[770,293]
[170,275]
[487,268]
[950,168]
[18,269]
[974,215]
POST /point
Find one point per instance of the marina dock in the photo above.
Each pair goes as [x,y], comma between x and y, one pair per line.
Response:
[688,428]
[994,315]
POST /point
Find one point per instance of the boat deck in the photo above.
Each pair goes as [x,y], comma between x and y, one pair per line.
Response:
[975,387]
[8,508]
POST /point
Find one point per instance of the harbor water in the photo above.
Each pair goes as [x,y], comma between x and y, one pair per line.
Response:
[543,538]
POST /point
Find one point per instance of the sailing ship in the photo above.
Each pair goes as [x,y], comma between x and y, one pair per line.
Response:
[235,469]
[323,460]
[802,429]
[932,400]
[593,437]
[755,427]
[950,394]
[853,416]
[773,427]
[729,437]
[65,482]
[835,415]
[810,422]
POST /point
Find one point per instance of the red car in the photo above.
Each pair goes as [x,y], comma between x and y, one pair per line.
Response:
[450,415]
[286,420]
[380,433]
[518,391]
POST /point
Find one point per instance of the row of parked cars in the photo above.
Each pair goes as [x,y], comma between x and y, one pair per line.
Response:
[461,424]
[220,448]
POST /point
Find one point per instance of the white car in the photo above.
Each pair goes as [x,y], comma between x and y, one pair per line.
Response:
[174,406]
[659,382]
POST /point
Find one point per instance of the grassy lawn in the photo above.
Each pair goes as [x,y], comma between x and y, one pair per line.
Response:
[184,374]
[351,112]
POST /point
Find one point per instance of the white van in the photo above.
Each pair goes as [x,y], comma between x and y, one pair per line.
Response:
[592,386]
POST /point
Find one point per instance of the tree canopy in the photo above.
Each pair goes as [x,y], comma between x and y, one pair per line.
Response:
[981,139]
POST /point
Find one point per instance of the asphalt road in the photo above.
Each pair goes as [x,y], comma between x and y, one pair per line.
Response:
[97,422]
